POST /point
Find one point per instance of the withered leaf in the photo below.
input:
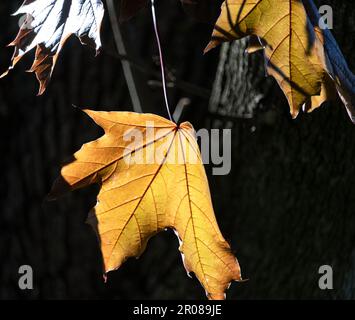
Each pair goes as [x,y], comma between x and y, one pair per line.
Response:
[303,59]
[47,26]
[339,79]
[137,199]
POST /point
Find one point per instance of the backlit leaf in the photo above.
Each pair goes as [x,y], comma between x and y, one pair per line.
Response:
[158,182]
[339,78]
[303,59]
[47,26]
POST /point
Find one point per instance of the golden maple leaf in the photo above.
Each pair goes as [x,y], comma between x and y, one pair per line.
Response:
[296,55]
[156,182]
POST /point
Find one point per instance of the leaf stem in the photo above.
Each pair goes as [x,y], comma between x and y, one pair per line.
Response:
[155,24]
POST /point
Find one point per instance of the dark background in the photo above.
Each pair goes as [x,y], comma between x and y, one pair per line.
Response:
[286,208]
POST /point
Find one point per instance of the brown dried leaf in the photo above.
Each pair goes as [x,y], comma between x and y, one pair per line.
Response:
[305,60]
[138,199]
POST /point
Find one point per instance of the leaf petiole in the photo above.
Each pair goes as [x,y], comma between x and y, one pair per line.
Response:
[155,24]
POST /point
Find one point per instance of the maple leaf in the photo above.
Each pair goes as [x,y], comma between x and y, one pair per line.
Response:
[48,24]
[137,199]
[339,78]
[294,47]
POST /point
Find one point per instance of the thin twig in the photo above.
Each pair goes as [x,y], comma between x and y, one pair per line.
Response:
[122,52]
[155,24]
